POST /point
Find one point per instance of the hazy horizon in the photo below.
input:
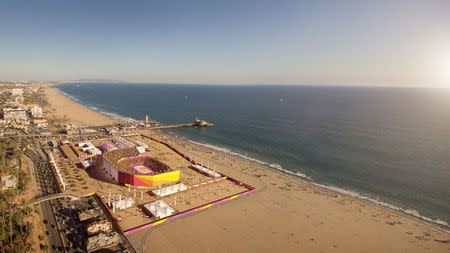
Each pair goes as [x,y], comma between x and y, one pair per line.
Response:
[354,43]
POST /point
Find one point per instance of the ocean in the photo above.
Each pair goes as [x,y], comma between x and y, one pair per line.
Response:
[390,146]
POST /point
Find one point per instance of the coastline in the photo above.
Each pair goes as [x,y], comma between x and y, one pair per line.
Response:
[439,224]
[285,212]
[73,112]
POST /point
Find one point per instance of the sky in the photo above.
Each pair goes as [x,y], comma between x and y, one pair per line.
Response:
[388,43]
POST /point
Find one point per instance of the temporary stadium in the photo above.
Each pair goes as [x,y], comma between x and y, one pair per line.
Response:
[128,166]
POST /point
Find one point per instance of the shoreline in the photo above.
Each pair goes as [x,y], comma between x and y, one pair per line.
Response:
[437,223]
[72,112]
[412,213]
[321,193]
[334,189]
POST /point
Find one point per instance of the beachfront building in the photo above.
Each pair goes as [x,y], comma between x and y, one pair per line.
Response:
[129,167]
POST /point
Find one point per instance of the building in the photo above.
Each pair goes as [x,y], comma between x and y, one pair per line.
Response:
[11,114]
[127,166]
[9,182]
[17,92]
[89,149]
[98,226]
[107,147]
[121,142]
[102,240]
[32,104]
[90,214]
[40,123]
[72,131]
[36,112]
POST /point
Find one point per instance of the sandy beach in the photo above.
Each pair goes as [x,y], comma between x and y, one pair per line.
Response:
[65,108]
[283,215]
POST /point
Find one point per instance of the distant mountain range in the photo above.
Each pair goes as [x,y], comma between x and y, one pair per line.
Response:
[98,80]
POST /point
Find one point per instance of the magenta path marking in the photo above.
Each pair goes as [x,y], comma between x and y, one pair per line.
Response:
[208,182]
[133,230]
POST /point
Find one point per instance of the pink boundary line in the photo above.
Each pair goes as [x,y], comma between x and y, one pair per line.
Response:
[208,182]
[155,223]
[87,194]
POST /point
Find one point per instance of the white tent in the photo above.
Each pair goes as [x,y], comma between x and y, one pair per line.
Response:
[159,209]
[141,149]
[124,203]
[161,192]
[206,170]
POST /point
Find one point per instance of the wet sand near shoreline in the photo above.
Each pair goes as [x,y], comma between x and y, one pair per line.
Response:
[283,215]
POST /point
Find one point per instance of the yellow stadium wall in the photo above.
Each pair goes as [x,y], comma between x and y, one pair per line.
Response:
[156,180]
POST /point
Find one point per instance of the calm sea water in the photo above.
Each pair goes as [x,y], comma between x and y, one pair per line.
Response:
[389,145]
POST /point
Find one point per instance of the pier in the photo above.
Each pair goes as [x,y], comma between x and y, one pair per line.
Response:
[196,123]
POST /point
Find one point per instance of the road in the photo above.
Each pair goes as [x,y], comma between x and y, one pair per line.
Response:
[64,231]
[41,175]
[58,214]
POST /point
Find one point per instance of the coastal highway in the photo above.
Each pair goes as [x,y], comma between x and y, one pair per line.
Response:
[44,187]
[56,213]
[62,227]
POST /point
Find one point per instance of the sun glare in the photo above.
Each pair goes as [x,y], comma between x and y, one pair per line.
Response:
[443,73]
[447,72]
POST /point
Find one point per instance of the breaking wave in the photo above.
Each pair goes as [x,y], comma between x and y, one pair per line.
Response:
[271,165]
[333,188]
[96,109]
[384,204]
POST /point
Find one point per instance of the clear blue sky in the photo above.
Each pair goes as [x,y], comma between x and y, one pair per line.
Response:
[295,42]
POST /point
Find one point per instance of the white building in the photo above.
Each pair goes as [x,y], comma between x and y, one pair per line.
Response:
[159,209]
[102,240]
[89,148]
[17,92]
[36,112]
[14,114]
[9,182]
[123,143]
